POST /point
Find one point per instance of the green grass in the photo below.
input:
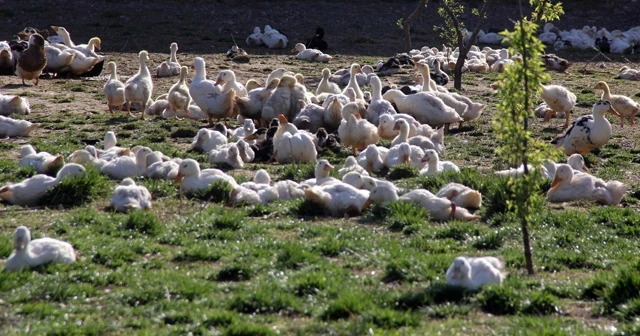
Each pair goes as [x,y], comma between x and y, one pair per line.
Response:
[192,265]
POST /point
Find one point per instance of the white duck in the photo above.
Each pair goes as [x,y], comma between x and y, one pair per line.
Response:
[209,97]
[322,177]
[339,199]
[356,132]
[587,132]
[439,208]
[207,140]
[461,195]
[626,107]
[397,155]
[434,165]
[10,127]
[377,105]
[419,140]
[161,170]
[127,166]
[326,86]
[193,180]
[424,106]
[559,99]
[139,87]
[113,89]
[42,162]
[129,196]
[171,67]
[280,100]
[387,123]
[372,159]
[229,155]
[255,39]
[13,104]
[310,55]
[242,195]
[179,97]
[351,165]
[246,153]
[291,145]
[568,186]
[227,78]
[32,253]
[31,190]
[473,273]
[273,39]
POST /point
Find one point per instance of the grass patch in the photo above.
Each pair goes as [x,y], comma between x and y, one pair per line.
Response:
[78,190]
[143,222]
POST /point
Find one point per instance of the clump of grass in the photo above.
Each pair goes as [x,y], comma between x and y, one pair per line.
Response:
[221,318]
[248,329]
[402,270]
[625,287]
[236,272]
[437,293]
[296,171]
[490,241]
[266,300]
[229,220]
[500,300]
[625,221]
[403,215]
[402,171]
[306,208]
[218,192]
[392,319]
[346,305]
[78,190]
[184,132]
[541,303]
[330,247]
[198,253]
[6,246]
[293,256]
[144,222]
[459,231]
[309,283]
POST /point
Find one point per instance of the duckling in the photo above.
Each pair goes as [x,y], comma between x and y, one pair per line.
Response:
[245,196]
[322,177]
[626,107]
[263,149]
[325,85]
[229,155]
[559,99]
[13,104]
[355,132]
[473,273]
[473,111]
[7,60]
[291,145]
[30,191]
[227,78]
[113,89]
[32,61]
[252,84]
[179,97]
[246,152]
[209,97]
[10,127]
[161,170]
[461,195]
[298,93]
[140,86]
[353,83]
[397,155]
[434,165]
[193,180]
[32,253]
[207,140]
[280,100]
[251,106]
[372,159]
[171,67]
[129,196]
[43,162]
[326,141]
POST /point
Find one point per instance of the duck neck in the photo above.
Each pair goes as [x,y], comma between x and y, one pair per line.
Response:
[606,93]
[426,84]
[143,68]
[201,73]
[66,39]
[173,58]
[403,136]
[114,74]
[376,91]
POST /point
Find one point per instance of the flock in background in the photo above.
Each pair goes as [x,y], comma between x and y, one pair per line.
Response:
[284,121]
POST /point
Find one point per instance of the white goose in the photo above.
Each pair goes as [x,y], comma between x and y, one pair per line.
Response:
[42,162]
[32,253]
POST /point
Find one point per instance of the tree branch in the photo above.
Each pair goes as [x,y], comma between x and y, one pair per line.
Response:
[406,25]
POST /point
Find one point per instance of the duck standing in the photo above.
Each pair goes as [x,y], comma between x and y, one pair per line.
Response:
[32,61]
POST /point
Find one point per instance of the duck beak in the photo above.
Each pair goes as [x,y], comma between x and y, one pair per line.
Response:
[555,182]
[294,51]
[405,159]
[614,112]
[218,82]
[328,168]
[282,119]
[425,159]
[178,178]
[357,115]
[250,137]
[367,203]
[22,33]
[586,169]
[55,28]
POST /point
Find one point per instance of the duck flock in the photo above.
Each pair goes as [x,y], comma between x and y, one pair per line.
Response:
[285,121]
